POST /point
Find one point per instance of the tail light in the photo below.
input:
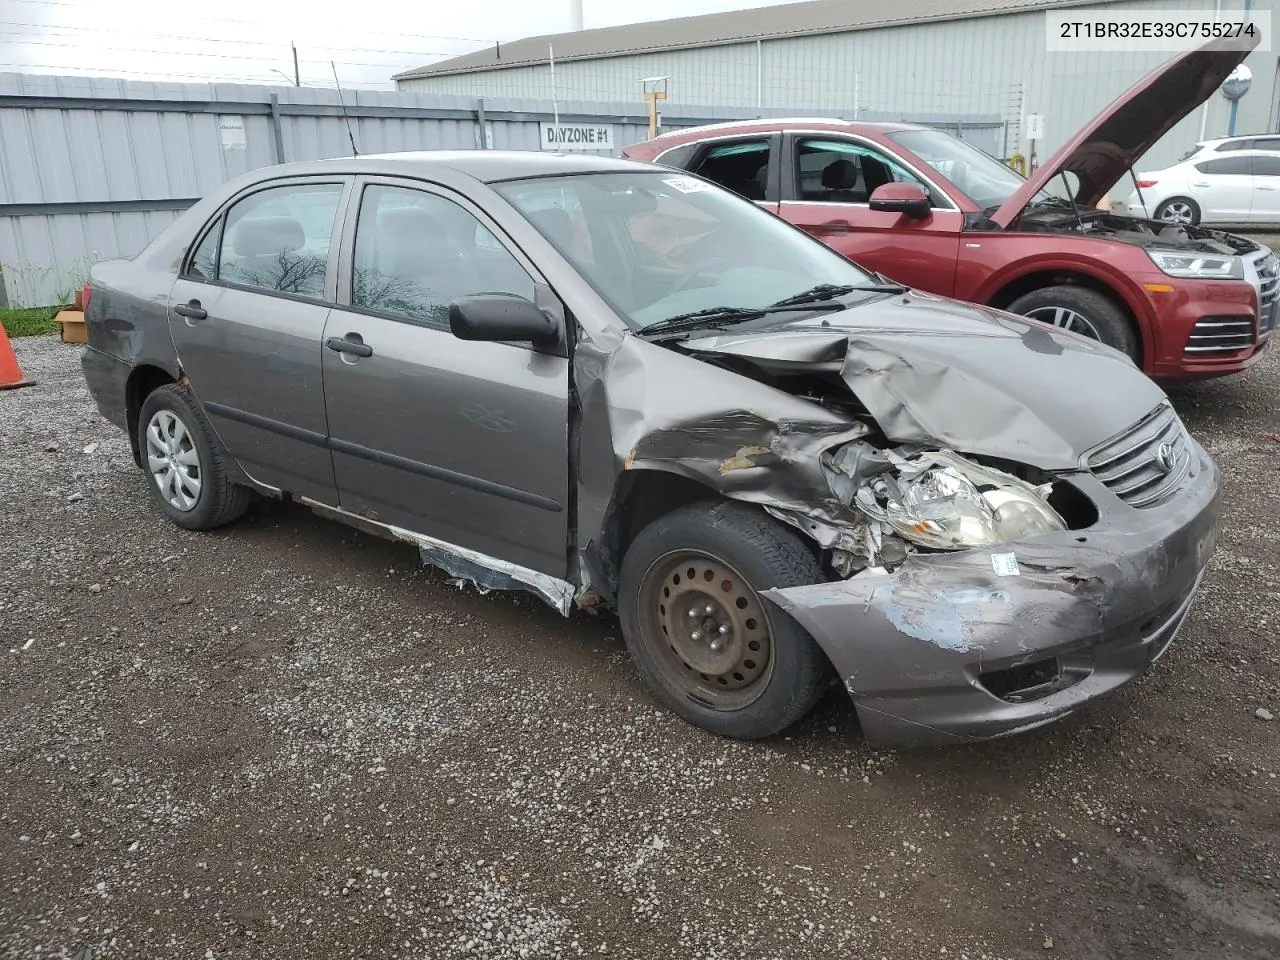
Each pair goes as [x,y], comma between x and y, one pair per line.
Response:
[85,294]
[1144,184]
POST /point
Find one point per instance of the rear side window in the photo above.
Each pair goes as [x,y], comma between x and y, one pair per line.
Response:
[1226,165]
[278,239]
[1266,166]
[742,166]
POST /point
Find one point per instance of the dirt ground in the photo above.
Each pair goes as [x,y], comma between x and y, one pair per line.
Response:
[286,739]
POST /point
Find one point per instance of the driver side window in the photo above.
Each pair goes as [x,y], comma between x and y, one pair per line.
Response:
[838,171]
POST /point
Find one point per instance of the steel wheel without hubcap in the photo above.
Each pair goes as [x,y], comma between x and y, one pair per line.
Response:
[706,629]
[1066,319]
[1178,212]
[173,461]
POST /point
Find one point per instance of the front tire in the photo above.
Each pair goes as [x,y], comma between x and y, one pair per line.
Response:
[1083,311]
[701,636]
[184,464]
[1183,211]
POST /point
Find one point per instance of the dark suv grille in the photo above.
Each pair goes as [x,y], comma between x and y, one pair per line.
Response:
[1220,335]
[1146,463]
[1268,293]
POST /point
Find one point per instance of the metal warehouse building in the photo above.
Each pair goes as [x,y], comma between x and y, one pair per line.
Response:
[855,58]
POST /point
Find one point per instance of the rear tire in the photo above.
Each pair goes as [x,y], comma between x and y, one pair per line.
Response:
[1180,210]
[1081,310]
[707,644]
[184,463]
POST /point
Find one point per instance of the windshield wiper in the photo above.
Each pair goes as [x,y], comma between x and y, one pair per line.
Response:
[829,291]
[723,316]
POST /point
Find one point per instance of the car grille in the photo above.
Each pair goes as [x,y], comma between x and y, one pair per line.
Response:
[1146,463]
[1268,294]
[1220,335]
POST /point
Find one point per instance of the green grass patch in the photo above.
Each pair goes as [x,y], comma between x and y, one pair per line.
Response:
[28,321]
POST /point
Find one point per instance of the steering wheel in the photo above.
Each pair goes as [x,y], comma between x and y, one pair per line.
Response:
[704,267]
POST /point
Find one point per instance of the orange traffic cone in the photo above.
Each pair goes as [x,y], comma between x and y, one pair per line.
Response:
[10,372]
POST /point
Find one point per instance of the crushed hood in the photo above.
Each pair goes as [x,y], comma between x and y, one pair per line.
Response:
[972,379]
[1109,144]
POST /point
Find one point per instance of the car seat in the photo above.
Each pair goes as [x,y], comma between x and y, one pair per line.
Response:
[840,178]
[262,246]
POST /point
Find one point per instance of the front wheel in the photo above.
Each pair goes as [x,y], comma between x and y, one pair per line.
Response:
[1080,310]
[701,636]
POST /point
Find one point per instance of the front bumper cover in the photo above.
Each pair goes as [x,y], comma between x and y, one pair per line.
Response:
[1088,610]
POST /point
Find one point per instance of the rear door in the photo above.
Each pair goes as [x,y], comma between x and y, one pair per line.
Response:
[1223,187]
[749,166]
[827,181]
[463,441]
[247,315]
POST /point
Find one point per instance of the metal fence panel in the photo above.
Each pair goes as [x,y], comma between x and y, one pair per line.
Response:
[93,168]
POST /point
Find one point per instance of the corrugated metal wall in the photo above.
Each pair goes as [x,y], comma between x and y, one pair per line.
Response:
[93,168]
[977,66]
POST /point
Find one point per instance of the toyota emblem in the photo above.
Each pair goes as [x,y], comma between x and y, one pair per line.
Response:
[1164,457]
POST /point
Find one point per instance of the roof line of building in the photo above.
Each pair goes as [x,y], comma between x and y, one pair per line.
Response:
[534,51]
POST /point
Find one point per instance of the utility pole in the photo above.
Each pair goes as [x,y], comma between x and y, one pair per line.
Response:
[297,78]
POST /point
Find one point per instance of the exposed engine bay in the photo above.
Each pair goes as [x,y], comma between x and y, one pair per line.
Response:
[1142,233]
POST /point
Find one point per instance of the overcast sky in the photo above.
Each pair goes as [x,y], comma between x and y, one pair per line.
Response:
[248,40]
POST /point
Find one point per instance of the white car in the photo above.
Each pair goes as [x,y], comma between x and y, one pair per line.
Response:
[1212,185]
[1228,144]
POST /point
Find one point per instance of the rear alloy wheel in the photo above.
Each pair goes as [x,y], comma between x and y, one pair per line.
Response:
[701,636]
[184,463]
[1080,310]
[1180,210]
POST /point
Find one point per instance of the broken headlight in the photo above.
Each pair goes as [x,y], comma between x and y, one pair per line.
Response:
[939,499]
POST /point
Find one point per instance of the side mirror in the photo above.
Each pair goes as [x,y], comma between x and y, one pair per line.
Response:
[501,316]
[904,198]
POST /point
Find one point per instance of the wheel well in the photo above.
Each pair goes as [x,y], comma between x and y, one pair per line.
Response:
[1059,278]
[142,381]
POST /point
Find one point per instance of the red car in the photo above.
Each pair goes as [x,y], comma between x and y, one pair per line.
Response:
[931,211]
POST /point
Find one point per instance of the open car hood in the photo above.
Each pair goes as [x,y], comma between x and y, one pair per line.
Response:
[1105,147]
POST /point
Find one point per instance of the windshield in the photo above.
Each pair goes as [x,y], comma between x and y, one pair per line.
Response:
[986,181]
[658,245]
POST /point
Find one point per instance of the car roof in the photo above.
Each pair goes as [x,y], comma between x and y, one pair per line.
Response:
[487,166]
[772,124]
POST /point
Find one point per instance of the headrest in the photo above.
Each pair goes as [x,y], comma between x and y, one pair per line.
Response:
[260,236]
[840,174]
[410,225]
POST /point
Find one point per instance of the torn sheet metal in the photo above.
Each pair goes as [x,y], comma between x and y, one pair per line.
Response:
[913,646]
[972,379]
[489,573]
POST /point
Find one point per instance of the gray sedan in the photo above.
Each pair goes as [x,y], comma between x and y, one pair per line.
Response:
[619,386]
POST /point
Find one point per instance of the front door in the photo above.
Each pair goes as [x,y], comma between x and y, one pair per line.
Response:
[1266,188]
[247,315]
[1223,187]
[463,441]
[826,187]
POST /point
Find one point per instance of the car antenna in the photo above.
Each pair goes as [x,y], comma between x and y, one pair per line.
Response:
[1070,196]
[1137,186]
[343,103]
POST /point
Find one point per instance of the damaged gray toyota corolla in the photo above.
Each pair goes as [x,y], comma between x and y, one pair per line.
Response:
[618,386]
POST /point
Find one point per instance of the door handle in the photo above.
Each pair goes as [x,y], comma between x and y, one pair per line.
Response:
[191,310]
[1266,188]
[351,343]
[1198,184]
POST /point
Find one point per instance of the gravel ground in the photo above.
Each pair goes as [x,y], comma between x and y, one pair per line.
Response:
[285,739]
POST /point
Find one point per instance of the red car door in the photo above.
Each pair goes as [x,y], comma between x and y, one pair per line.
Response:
[826,183]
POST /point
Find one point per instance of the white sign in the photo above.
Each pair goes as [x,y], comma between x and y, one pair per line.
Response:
[231,129]
[576,136]
[1035,126]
